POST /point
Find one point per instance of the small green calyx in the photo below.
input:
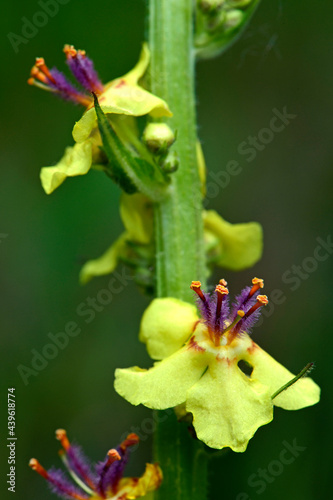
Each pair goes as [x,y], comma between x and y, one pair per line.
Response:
[158,137]
[171,163]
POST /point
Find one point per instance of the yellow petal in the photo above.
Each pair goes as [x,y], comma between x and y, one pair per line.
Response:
[305,392]
[240,244]
[165,385]
[166,325]
[121,99]
[138,487]
[76,161]
[136,212]
[105,264]
[133,76]
[228,407]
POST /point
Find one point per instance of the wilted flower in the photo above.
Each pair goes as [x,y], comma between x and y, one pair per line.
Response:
[201,367]
[106,481]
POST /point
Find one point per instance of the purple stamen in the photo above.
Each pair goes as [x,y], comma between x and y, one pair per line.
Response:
[222,307]
[80,464]
[65,89]
[60,485]
[243,302]
[83,69]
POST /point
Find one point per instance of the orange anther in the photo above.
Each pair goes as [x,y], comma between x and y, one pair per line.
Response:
[220,289]
[61,435]
[263,299]
[35,465]
[131,440]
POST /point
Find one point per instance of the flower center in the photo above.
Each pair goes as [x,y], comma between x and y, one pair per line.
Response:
[222,325]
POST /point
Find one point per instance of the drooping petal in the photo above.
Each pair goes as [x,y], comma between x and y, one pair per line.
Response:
[106,263]
[77,160]
[136,212]
[166,384]
[240,245]
[166,325]
[305,392]
[228,407]
[123,96]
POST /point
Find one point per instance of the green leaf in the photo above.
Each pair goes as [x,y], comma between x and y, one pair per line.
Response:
[216,31]
[130,172]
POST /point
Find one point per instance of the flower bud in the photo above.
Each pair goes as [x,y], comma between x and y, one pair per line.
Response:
[171,163]
[158,136]
[233,18]
[210,6]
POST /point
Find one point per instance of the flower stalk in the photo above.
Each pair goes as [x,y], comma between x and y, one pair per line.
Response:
[178,219]
[178,224]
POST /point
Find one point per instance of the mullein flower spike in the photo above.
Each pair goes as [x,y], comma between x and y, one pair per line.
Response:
[106,481]
[122,96]
[200,367]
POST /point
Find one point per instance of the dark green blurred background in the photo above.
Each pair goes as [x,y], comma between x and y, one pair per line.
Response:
[284,59]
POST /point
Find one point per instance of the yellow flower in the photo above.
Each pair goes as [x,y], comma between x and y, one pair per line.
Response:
[106,482]
[200,367]
[122,97]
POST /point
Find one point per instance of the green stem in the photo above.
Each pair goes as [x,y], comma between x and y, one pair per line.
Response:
[178,225]
[178,220]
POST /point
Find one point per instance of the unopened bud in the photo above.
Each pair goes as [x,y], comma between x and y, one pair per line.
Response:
[233,18]
[171,163]
[158,137]
[211,6]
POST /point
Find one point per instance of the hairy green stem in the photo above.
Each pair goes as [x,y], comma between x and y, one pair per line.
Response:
[178,220]
[178,226]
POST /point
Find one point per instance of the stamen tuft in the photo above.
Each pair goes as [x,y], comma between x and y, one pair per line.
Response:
[221,292]
[223,282]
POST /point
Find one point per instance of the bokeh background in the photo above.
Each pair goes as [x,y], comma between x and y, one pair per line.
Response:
[284,59]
